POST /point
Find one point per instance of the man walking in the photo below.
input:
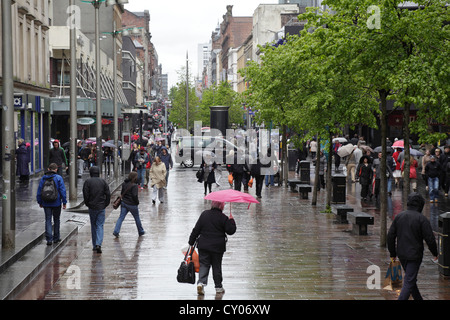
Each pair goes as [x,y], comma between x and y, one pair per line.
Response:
[96,196]
[50,195]
[410,228]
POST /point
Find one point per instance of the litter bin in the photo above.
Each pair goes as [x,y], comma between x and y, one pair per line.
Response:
[305,174]
[444,244]
[292,159]
[338,182]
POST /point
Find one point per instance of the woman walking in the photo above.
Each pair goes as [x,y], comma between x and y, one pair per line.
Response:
[209,176]
[23,160]
[130,202]
[365,174]
[158,176]
[211,230]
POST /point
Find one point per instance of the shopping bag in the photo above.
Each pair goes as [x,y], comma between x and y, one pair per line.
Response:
[393,279]
[194,258]
[230,179]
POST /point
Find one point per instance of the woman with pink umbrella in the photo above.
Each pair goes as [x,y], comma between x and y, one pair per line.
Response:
[211,232]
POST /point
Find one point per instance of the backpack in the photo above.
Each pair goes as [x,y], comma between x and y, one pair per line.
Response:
[49,191]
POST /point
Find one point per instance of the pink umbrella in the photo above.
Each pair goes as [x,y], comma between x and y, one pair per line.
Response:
[230,195]
[398,144]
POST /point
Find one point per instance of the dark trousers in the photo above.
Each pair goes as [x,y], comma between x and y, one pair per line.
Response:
[411,268]
[259,183]
[237,177]
[207,260]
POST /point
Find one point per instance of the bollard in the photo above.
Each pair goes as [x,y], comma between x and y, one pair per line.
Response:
[444,244]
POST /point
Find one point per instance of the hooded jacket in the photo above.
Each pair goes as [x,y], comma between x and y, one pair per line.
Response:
[96,193]
[410,228]
[59,185]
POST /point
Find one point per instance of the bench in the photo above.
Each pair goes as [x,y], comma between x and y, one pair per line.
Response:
[341,213]
[293,183]
[303,189]
[360,221]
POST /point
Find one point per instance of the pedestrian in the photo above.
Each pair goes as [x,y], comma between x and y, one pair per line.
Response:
[158,176]
[444,163]
[238,169]
[80,161]
[166,158]
[51,194]
[132,157]
[208,170]
[397,171]
[108,159]
[130,203]
[365,174]
[337,158]
[350,164]
[377,173]
[147,169]
[58,156]
[211,230]
[425,160]
[255,171]
[412,172]
[433,171]
[405,239]
[141,159]
[313,148]
[97,197]
[23,160]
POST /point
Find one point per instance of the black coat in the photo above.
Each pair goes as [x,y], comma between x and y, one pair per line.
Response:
[410,228]
[212,226]
[23,159]
[96,193]
[131,193]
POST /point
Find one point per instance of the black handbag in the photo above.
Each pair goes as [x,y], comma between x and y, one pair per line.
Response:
[186,271]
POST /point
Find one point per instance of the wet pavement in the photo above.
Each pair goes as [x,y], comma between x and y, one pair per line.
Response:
[283,249]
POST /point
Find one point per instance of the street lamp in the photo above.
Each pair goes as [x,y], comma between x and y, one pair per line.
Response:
[115,33]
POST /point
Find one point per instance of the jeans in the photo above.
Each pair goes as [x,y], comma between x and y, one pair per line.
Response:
[411,268]
[208,259]
[141,176]
[134,210]
[52,234]
[271,177]
[433,187]
[97,218]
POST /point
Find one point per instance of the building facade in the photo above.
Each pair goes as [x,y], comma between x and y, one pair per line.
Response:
[30,27]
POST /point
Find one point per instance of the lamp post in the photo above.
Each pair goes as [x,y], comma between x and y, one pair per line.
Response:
[73,194]
[8,141]
[125,32]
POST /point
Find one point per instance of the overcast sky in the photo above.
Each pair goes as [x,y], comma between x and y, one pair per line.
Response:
[178,26]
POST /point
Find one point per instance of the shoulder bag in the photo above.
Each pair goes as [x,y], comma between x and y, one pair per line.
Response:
[186,271]
[118,200]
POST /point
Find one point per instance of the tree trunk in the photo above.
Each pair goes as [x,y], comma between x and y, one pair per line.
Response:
[329,165]
[383,180]
[406,153]
[316,174]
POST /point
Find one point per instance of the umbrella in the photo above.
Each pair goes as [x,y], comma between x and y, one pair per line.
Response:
[109,145]
[230,195]
[378,149]
[415,153]
[340,139]
[398,144]
[366,148]
[345,150]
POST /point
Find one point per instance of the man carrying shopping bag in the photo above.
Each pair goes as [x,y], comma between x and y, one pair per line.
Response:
[410,228]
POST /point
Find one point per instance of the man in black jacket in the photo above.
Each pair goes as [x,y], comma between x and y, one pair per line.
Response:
[211,230]
[411,228]
[97,197]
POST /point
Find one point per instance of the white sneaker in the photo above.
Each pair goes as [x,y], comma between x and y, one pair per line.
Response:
[220,290]
[200,289]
